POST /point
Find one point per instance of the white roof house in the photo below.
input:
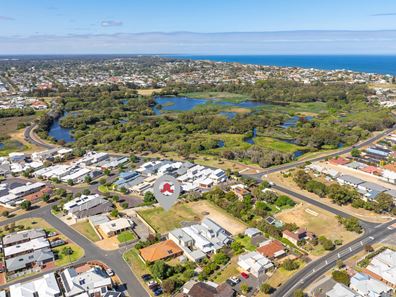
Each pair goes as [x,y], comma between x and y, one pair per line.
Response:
[46,286]
[368,286]
[340,290]
[384,265]
[32,245]
[255,263]
[79,201]
[115,226]
[89,282]
[78,175]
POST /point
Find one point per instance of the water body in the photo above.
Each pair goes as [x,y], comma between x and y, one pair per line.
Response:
[60,133]
[228,114]
[1,146]
[383,64]
[186,104]
[294,120]
[250,140]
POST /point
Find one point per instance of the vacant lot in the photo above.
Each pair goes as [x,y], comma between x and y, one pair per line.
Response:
[281,275]
[87,230]
[316,220]
[230,271]
[164,222]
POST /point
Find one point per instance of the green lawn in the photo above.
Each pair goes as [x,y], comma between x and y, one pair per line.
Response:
[87,230]
[103,189]
[65,259]
[126,236]
[277,145]
[246,242]
[136,264]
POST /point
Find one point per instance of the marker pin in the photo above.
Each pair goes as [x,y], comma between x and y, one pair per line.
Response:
[166,191]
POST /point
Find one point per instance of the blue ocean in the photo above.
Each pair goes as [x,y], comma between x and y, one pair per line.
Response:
[361,63]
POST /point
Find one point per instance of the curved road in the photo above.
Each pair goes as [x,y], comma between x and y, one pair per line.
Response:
[113,259]
[31,137]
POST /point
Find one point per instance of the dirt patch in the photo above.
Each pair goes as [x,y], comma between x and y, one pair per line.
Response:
[108,244]
[316,220]
[220,216]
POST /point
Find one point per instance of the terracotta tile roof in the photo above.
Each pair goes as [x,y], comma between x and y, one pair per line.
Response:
[269,250]
[391,167]
[37,195]
[339,161]
[160,250]
[372,170]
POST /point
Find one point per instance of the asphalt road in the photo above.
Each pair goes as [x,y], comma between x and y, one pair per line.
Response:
[111,258]
[33,139]
[313,270]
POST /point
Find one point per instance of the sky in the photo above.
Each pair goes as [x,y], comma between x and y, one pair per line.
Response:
[198,26]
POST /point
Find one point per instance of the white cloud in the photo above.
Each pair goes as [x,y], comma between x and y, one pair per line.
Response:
[111,23]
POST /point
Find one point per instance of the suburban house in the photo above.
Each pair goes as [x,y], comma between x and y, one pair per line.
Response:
[94,282]
[199,240]
[383,267]
[26,247]
[368,286]
[87,205]
[117,226]
[209,289]
[160,251]
[37,258]
[46,286]
[340,290]
[22,236]
[254,263]
[11,196]
[339,161]
[240,190]
[349,180]
[252,232]
[272,249]
[298,235]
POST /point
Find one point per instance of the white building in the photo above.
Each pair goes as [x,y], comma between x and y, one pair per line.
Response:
[368,286]
[340,290]
[255,263]
[46,286]
[383,267]
[93,281]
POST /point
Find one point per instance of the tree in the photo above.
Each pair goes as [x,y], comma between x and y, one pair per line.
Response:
[266,288]
[124,205]
[355,153]
[383,203]
[149,198]
[86,191]
[298,293]
[327,244]
[290,265]
[169,285]
[340,264]
[5,213]
[26,204]
[102,181]
[351,224]
[88,179]
[160,269]
[237,247]
[116,198]
[46,198]
[70,182]
[301,178]
[67,251]
[107,172]
[368,248]
[341,276]
[114,213]
[245,288]
[220,258]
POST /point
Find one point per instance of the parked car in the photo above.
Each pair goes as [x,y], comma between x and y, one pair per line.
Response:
[158,291]
[244,275]
[235,280]
[109,272]
[146,277]
[230,282]
[152,284]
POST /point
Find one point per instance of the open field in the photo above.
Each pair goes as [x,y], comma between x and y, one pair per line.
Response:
[148,92]
[316,220]
[277,145]
[87,230]
[63,259]
[287,182]
[164,222]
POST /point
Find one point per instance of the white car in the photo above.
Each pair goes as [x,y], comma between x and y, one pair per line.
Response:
[235,280]
[109,272]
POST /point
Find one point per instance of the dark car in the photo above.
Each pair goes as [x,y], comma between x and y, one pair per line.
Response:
[146,277]
[230,282]
[158,291]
